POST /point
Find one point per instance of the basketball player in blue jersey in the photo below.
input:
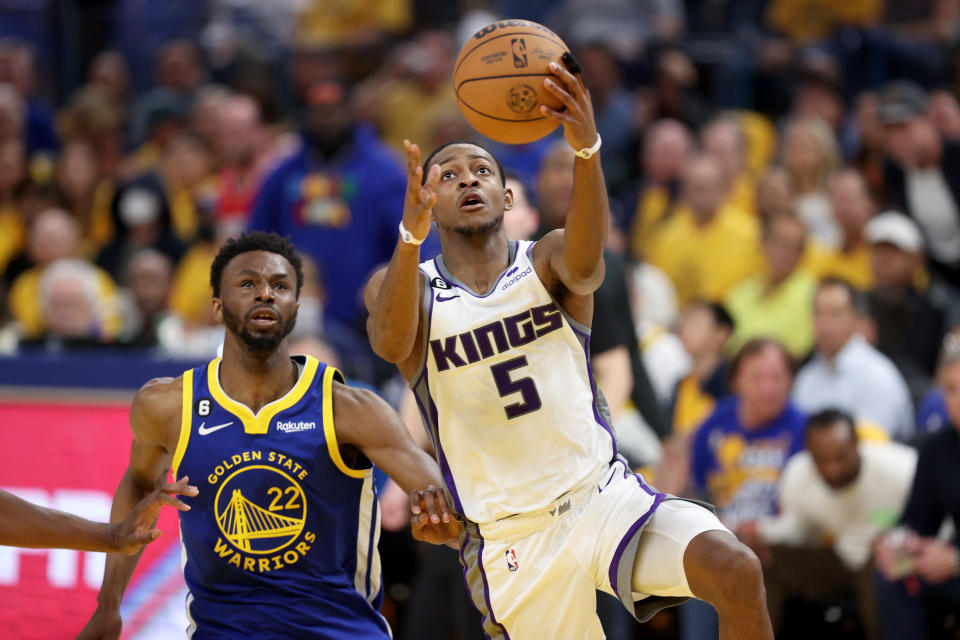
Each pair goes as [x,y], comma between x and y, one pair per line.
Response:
[281,541]
[493,337]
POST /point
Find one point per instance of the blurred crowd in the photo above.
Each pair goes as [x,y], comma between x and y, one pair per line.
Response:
[779,328]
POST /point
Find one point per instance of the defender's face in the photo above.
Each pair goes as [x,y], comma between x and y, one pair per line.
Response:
[470,196]
[258,299]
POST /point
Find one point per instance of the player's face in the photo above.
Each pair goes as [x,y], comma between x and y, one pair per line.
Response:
[470,197]
[258,299]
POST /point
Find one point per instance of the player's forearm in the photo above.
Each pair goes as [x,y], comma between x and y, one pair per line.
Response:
[119,568]
[395,315]
[585,231]
[26,525]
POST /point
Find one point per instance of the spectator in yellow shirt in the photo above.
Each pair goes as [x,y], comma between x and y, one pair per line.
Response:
[13,231]
[705,247]
[666,149]
[55,235]
[725,140]
[777,302]
[852,209]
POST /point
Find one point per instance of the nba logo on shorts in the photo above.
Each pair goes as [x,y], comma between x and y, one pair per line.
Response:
[512,559]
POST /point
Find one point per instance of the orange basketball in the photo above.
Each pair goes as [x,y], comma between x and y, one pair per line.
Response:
[499,76]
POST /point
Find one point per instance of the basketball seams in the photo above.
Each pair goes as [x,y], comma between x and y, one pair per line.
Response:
[464,56]
[512,120]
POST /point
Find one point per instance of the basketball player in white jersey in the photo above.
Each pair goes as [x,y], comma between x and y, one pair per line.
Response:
[493,337]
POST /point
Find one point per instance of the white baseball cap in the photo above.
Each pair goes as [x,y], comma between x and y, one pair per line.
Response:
[897,229]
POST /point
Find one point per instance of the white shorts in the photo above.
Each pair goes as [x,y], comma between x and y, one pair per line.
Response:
[535,575]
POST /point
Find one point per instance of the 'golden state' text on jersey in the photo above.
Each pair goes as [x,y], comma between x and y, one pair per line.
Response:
[507,393]
[281,542]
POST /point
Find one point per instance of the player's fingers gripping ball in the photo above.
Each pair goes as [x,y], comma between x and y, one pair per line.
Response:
[498,80]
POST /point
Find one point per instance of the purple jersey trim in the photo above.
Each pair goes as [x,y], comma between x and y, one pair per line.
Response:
[632,531]
[422,368]
[512,250]
[593,390]
[431,419]
[486,589]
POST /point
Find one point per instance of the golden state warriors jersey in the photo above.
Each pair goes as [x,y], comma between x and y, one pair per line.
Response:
[506,392]
[281,541]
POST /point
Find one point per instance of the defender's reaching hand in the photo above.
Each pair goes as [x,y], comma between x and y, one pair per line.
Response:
[432,521]
[418,205]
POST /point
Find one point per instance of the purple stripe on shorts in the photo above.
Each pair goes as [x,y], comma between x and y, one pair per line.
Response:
[617,556]
[371,547]
[486,589]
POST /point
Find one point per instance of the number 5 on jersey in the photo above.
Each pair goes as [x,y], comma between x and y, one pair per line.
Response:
[530,398]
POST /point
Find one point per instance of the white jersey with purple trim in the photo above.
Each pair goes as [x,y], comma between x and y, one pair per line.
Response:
[507,393]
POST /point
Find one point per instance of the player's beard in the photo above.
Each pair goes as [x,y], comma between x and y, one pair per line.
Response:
[482,229]
[264,342]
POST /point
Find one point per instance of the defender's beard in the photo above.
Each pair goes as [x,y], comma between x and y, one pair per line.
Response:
[262,342]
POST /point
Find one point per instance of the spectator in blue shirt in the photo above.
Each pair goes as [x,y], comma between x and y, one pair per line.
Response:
[740,450]
[339,198]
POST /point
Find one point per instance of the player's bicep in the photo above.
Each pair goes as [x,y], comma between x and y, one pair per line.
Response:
[366,421]
[372,291]
[155,424]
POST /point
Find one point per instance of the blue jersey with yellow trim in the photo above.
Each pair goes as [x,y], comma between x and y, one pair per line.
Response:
[281,542]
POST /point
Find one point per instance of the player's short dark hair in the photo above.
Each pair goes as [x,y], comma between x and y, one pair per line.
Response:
[254,241]
[426,164]
[754,346]
[826,418]
[858,300]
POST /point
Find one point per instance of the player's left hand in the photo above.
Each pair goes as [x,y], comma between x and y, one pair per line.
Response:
[579,127]
[431,520]
[136,530]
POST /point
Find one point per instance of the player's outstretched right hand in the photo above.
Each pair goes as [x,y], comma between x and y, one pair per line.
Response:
[130,534]
[431,520]
[418,204]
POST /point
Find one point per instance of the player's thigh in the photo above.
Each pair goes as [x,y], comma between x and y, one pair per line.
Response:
[658,567]
[530,588]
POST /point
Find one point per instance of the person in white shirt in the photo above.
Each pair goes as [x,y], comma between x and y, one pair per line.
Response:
[846,371]
[835,499]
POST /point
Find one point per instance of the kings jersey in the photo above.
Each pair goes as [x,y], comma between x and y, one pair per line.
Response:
[281,542]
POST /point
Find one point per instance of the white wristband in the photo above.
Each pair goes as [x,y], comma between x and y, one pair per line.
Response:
[408,238]
[588,152]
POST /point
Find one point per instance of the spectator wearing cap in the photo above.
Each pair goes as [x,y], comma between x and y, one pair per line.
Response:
[920,569]
[777,301]
[922,174]
[908,327]
[834,499]
[141,218]
[846,372]
[337,198]
[852,207]
[706,246]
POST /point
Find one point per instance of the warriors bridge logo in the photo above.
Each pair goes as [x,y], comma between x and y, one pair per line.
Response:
[260,511]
